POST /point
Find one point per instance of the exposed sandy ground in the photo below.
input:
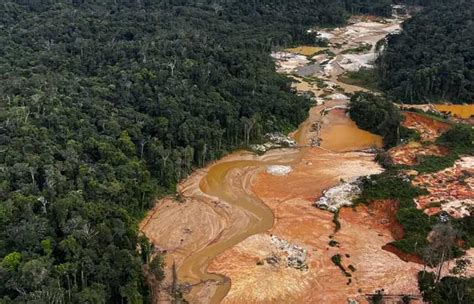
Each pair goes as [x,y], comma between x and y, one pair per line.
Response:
[202,225]
[359,33]
[311,228]
[469,272]
[318,170]
[288,62]
[221,230]
[423,107]
[307,132]
[450,190]
[186,237]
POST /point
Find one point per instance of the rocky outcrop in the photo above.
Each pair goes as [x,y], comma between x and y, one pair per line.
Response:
[295,255]
[274,141]
[339,196]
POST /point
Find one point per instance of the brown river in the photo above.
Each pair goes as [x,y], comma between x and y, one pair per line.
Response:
[223,225]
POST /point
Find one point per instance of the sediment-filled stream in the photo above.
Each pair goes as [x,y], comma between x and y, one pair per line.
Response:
[237,224]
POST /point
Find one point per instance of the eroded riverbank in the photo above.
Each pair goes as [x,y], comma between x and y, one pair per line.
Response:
[226,233]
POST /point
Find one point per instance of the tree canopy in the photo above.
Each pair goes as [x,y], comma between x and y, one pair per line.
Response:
[377,115]
[432,59]
[105,104]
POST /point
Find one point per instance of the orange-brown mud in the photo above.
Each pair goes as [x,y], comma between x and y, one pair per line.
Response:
[236,227]
[407,257]
[410,153]
[307,131]
[429,128]
[318,170]
[360,244]
[377,215]
[381,216]
[454,113]
[220,213]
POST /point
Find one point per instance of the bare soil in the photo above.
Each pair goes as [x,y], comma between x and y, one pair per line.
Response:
[219,231]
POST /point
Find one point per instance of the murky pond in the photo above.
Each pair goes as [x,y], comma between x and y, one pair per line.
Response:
[342,134]
[306,50]
[462,111]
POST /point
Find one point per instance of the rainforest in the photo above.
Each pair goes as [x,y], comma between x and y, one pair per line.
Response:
[172,151]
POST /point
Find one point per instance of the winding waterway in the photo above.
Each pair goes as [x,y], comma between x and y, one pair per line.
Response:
[222,193]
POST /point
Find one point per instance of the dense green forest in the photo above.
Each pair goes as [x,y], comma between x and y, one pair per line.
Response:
[377,115]
[432,59]
[104,105]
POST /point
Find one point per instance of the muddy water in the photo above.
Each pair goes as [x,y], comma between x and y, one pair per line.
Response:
[342,134]
[462,111]
[230,181]
[339,134]
[220,183]
[216,184]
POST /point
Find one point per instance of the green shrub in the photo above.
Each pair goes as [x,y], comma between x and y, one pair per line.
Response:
[465,226]
[460,137]
[406,299]
[157,267]
[432,163]
[388,186]
[407,134]
[377,298]
[459,140]
[335,220]
[337,260]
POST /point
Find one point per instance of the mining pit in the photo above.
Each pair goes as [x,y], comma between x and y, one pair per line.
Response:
[245,229]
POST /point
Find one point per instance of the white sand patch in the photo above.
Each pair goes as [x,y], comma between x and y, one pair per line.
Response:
[339,196]
[337,96]
[326,35]
[319,101]
[278,170]
[354,62]
[466,163]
